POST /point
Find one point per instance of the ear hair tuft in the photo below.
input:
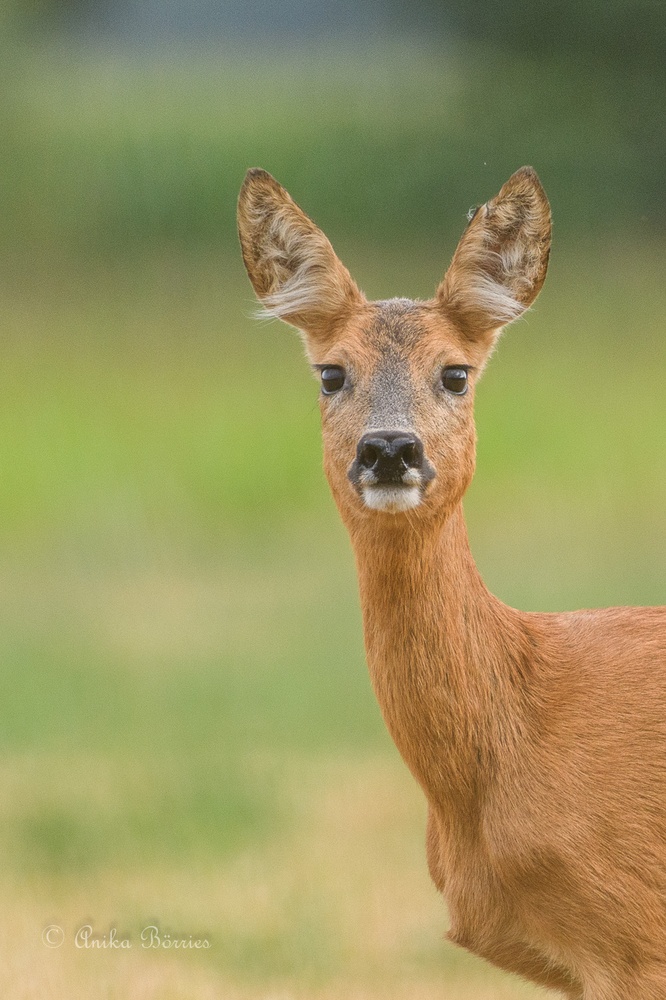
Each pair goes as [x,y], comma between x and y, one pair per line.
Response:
[500,264]
[291,264]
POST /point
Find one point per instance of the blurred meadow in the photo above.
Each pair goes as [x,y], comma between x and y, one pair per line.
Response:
[189,739]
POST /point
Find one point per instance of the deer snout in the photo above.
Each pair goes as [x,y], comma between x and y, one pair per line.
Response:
[390,471]
[388,455]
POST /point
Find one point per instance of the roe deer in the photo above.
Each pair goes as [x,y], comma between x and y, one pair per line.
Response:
[539,740]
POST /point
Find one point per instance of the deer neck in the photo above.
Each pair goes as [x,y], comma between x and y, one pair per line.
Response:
[447,659]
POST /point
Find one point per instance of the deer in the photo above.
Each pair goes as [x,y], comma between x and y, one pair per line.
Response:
[538,739]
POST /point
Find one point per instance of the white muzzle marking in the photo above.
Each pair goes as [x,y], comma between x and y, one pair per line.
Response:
[391,499]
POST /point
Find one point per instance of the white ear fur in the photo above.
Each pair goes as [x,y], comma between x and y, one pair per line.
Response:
[500,264]
[290,262]
[301,267]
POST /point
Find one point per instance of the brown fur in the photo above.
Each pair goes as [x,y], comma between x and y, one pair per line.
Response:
[280,244]
[539,740]
[505,250]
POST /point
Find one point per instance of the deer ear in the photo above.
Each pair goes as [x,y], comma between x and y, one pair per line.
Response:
[291,264]
[500,264]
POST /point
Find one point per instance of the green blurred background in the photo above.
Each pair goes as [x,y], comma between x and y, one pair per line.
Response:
[188,733]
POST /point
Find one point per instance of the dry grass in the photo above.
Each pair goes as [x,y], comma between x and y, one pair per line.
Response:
[343,896]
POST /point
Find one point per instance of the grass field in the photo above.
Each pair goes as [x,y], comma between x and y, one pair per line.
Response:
[189,736]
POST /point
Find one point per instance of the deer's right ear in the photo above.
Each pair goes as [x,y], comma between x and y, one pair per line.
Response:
[500,264]
[291,264]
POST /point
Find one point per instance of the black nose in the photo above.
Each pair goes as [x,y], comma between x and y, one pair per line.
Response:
[389,454]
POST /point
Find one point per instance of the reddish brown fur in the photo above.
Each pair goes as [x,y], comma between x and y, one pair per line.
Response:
[539,740]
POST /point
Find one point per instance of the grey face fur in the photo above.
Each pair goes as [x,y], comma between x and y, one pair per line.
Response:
[390,398]
[391,389]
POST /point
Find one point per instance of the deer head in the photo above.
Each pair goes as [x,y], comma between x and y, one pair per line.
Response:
[397,377]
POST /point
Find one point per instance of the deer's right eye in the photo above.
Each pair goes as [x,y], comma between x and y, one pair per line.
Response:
[332,380]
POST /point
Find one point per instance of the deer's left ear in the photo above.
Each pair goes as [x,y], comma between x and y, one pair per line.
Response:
[500,264]
[291,264]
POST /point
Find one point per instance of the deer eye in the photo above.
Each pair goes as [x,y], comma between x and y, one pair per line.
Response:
[455,380]
[332,380]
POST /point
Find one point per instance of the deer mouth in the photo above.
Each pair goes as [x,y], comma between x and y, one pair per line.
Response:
[392,498]
[394,492]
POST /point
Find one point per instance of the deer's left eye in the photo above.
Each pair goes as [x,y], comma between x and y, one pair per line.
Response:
[455,380]
[332,380]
